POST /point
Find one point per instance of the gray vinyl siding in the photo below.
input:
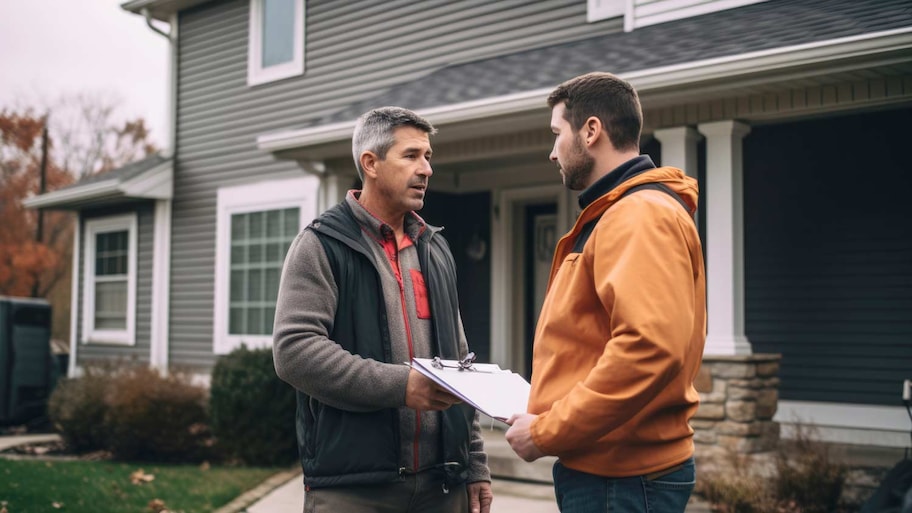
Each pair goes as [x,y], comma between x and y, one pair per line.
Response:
[354,50]
[828,244]
[139,352]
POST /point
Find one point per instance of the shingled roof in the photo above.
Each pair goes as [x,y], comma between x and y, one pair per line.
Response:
[762,26]
[149,178]
[123,173]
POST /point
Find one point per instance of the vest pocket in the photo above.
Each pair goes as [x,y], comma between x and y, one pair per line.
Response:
[422,305]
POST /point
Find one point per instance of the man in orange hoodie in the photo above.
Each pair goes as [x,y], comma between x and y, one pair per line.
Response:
[620,337]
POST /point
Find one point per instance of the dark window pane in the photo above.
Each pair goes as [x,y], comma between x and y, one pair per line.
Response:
[111,305]
[273,223]
[268,320]
[255,285]
[238,226]
[256,226]
[236,322]
[111,253]
[292,218]
[238,254]
[255,321]
[237,287]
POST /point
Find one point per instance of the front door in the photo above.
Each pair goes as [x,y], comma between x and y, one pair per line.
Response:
[540,240]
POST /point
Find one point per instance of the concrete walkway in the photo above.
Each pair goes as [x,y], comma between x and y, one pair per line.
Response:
[7,442]
[518,486]
[509,497]
[534,494]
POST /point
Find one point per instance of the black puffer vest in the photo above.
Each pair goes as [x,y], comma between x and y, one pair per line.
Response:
[339,447]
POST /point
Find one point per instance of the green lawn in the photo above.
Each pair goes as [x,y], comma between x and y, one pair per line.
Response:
[29,486]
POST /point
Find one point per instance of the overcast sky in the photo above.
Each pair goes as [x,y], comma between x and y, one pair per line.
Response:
[50,48]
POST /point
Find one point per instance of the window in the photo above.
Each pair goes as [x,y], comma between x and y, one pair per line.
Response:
[109,291]
[276,47]
[259,241]
[256,225]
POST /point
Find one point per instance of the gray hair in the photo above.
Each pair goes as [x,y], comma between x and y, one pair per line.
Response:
[374,131]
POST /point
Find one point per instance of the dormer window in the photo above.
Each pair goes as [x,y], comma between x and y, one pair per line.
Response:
[276,46]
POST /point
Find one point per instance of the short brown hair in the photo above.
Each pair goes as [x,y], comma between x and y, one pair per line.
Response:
[607,97]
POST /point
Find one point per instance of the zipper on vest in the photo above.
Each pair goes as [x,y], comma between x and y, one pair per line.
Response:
[411,349]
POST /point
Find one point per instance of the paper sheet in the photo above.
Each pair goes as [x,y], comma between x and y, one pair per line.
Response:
[495,392]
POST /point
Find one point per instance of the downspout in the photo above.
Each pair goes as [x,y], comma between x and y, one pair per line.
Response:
[170,119]
[148,16]
[161,258]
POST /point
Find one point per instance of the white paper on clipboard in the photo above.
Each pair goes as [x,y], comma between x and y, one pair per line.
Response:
[493,391]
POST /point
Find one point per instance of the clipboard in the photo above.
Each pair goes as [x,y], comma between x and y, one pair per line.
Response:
[496,392]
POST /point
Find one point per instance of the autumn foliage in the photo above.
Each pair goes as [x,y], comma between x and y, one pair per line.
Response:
[85,139]
[29,267]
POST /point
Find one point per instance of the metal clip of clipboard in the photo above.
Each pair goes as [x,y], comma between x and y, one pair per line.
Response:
[466,364]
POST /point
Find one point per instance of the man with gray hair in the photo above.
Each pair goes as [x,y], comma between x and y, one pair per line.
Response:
[367,286]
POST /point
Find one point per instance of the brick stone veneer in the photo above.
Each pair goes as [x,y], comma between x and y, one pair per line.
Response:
[738,398]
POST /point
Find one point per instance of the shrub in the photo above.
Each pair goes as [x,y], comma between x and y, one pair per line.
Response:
[76,409]
[806,474]
[253,411]
[150,417]
[736,494]
[805,480]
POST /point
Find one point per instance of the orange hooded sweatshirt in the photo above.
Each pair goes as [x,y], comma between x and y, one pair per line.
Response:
[620,337]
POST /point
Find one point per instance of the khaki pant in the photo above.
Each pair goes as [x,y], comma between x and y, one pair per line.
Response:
[418,493]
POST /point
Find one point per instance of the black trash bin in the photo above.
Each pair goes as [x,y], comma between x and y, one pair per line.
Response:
[25,359]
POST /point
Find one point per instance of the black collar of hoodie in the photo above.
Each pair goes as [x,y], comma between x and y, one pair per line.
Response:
[618,175]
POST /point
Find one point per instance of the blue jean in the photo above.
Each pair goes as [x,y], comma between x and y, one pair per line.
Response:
[579,492]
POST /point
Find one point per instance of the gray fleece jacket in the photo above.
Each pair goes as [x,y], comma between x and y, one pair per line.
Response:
[308,359]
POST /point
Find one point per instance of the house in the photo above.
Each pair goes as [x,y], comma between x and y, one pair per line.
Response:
[793,115]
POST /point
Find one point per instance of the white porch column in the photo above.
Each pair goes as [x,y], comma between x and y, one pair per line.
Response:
[679,148]
[725,238]
[331,191]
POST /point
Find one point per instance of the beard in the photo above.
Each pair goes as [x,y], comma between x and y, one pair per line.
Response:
[577,166]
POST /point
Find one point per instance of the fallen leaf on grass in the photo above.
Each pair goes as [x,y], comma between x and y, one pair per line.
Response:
[139,477]
[57,505]
[157,506]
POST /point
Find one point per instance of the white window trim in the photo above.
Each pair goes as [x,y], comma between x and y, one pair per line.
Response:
[858,424]
[256,197]
[93,227]
[256,73]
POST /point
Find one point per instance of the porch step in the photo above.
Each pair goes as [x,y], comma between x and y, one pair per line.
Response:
[505,464]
